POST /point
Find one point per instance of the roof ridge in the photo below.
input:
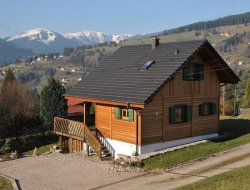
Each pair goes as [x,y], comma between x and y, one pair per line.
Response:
[176,42]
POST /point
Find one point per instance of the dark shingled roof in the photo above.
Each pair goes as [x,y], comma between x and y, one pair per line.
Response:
[120,78]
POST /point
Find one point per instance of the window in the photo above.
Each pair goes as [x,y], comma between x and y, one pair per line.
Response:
[124,113]
[207,109]
[147,65]
[180,113]
[193,71]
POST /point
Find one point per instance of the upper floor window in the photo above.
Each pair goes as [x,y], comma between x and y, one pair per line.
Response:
[193,71]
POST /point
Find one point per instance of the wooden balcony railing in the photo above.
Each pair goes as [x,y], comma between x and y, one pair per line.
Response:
[77,130]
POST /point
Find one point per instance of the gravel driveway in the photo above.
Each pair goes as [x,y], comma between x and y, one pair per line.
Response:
[61,172]
[72,172]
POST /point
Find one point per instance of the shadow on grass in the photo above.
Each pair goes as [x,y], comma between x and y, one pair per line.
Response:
[235,127]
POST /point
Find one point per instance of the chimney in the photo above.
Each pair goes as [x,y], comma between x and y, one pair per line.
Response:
[155,42]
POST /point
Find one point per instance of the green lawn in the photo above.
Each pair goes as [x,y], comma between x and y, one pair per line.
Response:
[235,179]
[40,150]
[5,184]
[239,127]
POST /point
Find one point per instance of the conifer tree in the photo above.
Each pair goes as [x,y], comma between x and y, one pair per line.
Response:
[52,103]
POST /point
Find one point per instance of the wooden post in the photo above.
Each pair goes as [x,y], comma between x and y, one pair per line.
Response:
[163,120]
[192,103]
[223,100]
[235,100]
[84,113]
[111,108]
[60,142]
[87,149]
[70,145]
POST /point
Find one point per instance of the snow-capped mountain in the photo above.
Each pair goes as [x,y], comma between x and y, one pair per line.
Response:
[41,40]
[39,34]
[92,37]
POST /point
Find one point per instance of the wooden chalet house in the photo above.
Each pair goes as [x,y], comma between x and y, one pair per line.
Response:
[147,98]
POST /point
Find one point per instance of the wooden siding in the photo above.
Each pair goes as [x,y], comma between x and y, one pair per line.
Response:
[155,115]
[115,129]
[152,122]
[103,119]
[203,125]
[178,130]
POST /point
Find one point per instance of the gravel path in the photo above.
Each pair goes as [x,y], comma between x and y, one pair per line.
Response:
[72,172]
[60,172]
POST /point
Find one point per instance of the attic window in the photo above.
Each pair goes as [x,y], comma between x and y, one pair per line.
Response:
[147,65]
[193,71]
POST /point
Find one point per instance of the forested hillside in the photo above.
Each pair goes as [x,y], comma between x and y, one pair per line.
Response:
[224,21]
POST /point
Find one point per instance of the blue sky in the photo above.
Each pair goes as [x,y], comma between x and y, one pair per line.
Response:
[111,16]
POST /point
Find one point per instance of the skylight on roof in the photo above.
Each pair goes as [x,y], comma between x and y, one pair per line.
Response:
[147,65]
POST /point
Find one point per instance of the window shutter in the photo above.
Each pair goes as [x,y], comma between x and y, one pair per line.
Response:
[186,72]
[188,113]
[172,112]
[131,114]
[213,108]
[199,71]
[201,109]
[117,112]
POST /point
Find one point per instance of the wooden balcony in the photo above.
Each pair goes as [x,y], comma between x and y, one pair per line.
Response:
[77,130]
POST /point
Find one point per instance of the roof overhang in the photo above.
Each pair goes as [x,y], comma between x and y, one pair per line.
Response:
[225,73]
[81,100]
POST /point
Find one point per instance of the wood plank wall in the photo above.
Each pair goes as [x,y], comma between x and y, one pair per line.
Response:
[112,128]
[155,115]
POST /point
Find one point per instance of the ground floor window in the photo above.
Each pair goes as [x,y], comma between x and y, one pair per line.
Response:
[124,113]
[207,108]
[180,113]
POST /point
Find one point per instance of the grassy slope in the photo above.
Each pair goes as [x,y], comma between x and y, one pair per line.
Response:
[185,36]
[235,179]
[238,127]
[5,184]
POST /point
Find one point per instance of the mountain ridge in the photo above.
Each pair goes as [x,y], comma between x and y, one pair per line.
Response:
[41,40]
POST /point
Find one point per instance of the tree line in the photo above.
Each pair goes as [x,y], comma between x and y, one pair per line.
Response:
[225,21]
[237,96]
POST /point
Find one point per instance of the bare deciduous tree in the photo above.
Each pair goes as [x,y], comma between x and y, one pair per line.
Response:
[17,107]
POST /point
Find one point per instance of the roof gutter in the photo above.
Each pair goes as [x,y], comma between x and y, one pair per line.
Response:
[80,99]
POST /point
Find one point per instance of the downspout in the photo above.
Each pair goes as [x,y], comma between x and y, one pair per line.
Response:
[136,141]
[138,112]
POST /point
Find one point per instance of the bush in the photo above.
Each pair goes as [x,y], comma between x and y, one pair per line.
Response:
[7,146]
[138,164]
